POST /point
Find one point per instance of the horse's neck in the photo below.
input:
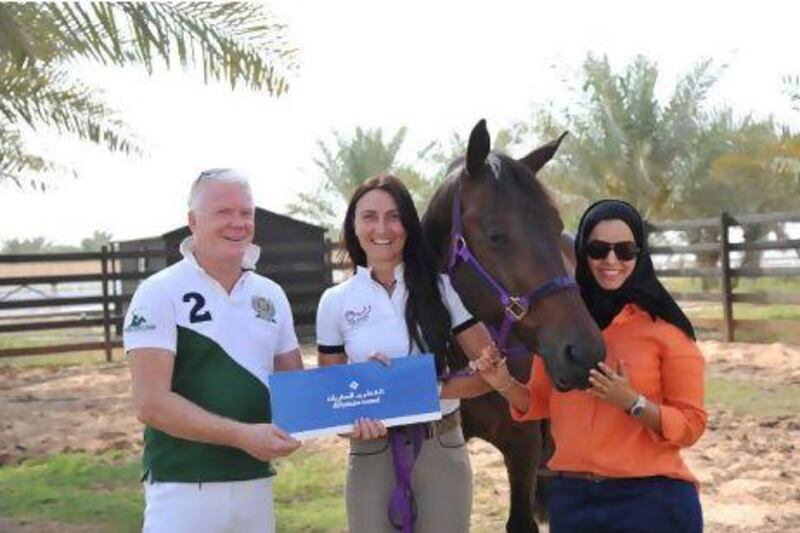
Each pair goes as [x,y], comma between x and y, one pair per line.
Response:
[437,220]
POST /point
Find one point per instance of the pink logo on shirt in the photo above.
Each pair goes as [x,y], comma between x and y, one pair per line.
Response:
[354,318]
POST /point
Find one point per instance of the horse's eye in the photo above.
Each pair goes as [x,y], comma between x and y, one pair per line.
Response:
[496,237]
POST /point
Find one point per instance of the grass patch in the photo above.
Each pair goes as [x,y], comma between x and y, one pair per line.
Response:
[749,397]
[27,339]
[55,338]
[742,311]
[743,285]
[95,357]
[309,491]
[104,490]
[75,488]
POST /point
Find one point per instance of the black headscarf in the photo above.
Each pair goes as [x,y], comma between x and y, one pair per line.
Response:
[642,287]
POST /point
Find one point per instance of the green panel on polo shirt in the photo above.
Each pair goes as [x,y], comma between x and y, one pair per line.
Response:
[207,376]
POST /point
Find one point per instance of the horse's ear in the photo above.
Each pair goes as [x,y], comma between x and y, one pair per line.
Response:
[537,159]
[478,148]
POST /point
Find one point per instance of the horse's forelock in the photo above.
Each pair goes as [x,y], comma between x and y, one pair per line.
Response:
[495,165]
[455,164]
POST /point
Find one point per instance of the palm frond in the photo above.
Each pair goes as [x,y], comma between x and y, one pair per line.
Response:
[19,165]
[239,42]
[47,96]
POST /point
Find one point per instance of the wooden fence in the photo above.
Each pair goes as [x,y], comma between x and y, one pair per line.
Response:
[715,244]
[711,238]
[104,306]
[707,238]
[95,309]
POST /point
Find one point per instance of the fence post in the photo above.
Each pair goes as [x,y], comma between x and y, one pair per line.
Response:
[725,267]
[106,313]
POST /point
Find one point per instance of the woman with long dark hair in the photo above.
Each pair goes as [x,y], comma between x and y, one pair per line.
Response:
[396,305]
[617,459]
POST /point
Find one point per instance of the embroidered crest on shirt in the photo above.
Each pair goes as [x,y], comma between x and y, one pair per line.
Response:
[264,308]
[354,318]
[138,322]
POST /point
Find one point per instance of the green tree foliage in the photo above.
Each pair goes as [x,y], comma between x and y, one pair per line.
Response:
[345,164]
[348,161]
[96,241]
[40,245]
[674,159]
[624,143]
[792,89]
[237,42]
[35,245]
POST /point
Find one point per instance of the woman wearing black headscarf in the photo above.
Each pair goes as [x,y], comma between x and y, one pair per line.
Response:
[617,444]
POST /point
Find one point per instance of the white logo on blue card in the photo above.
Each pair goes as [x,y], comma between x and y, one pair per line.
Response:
[327,400]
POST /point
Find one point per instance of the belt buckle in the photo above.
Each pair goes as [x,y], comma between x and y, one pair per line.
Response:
[447,422]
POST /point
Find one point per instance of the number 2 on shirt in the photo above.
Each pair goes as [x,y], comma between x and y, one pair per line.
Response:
[195,315]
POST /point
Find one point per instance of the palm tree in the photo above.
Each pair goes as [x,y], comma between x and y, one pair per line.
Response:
[792,89]
[674,160]
[624,142]
[345,164]
[235,42]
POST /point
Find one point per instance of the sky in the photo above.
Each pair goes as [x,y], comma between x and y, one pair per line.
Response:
[435,67]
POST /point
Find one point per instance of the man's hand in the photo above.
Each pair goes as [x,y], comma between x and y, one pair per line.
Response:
[266,441]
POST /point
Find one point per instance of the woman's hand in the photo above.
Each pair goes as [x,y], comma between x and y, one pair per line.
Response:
[367,429]
[492,368]
[382,358]
[611,386]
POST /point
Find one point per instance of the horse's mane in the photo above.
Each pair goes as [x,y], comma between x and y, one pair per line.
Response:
[436,221]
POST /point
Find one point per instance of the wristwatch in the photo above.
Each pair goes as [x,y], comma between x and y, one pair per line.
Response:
[637,408]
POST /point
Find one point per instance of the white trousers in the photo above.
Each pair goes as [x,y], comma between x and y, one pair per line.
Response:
[216,507]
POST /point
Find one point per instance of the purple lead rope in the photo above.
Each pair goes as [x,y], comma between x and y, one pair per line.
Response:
[402,506]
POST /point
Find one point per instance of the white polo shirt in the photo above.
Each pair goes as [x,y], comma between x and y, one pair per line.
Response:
[358,317]
[224,345]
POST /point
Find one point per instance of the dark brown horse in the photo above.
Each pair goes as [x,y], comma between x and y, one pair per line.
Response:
[493,210]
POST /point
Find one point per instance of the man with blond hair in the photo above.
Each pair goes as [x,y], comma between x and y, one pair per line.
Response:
[202,337]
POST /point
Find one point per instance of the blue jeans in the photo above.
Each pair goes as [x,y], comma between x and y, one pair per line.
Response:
[628,505]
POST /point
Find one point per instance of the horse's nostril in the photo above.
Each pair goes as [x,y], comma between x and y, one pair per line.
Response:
[571,354]
[562,384]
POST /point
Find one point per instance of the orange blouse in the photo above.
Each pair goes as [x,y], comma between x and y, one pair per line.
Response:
[592,435]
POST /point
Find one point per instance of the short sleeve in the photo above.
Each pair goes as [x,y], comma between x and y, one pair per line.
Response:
[287,338]
[459,316]
[329,333]
[150,321]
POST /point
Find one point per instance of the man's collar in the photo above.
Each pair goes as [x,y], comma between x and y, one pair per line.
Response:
[249,259]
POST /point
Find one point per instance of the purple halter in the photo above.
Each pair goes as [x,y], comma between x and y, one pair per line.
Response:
[515,308]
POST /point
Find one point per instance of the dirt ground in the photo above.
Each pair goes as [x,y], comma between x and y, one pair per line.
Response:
[748,465]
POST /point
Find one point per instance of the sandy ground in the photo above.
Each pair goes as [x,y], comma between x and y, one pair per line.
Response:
[748,465]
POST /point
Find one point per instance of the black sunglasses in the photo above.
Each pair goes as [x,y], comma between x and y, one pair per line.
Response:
[624,250]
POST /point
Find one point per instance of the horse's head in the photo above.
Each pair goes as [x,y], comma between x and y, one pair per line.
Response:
[512,228]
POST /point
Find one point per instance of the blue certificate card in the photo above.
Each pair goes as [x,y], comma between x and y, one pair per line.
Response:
[327,400]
